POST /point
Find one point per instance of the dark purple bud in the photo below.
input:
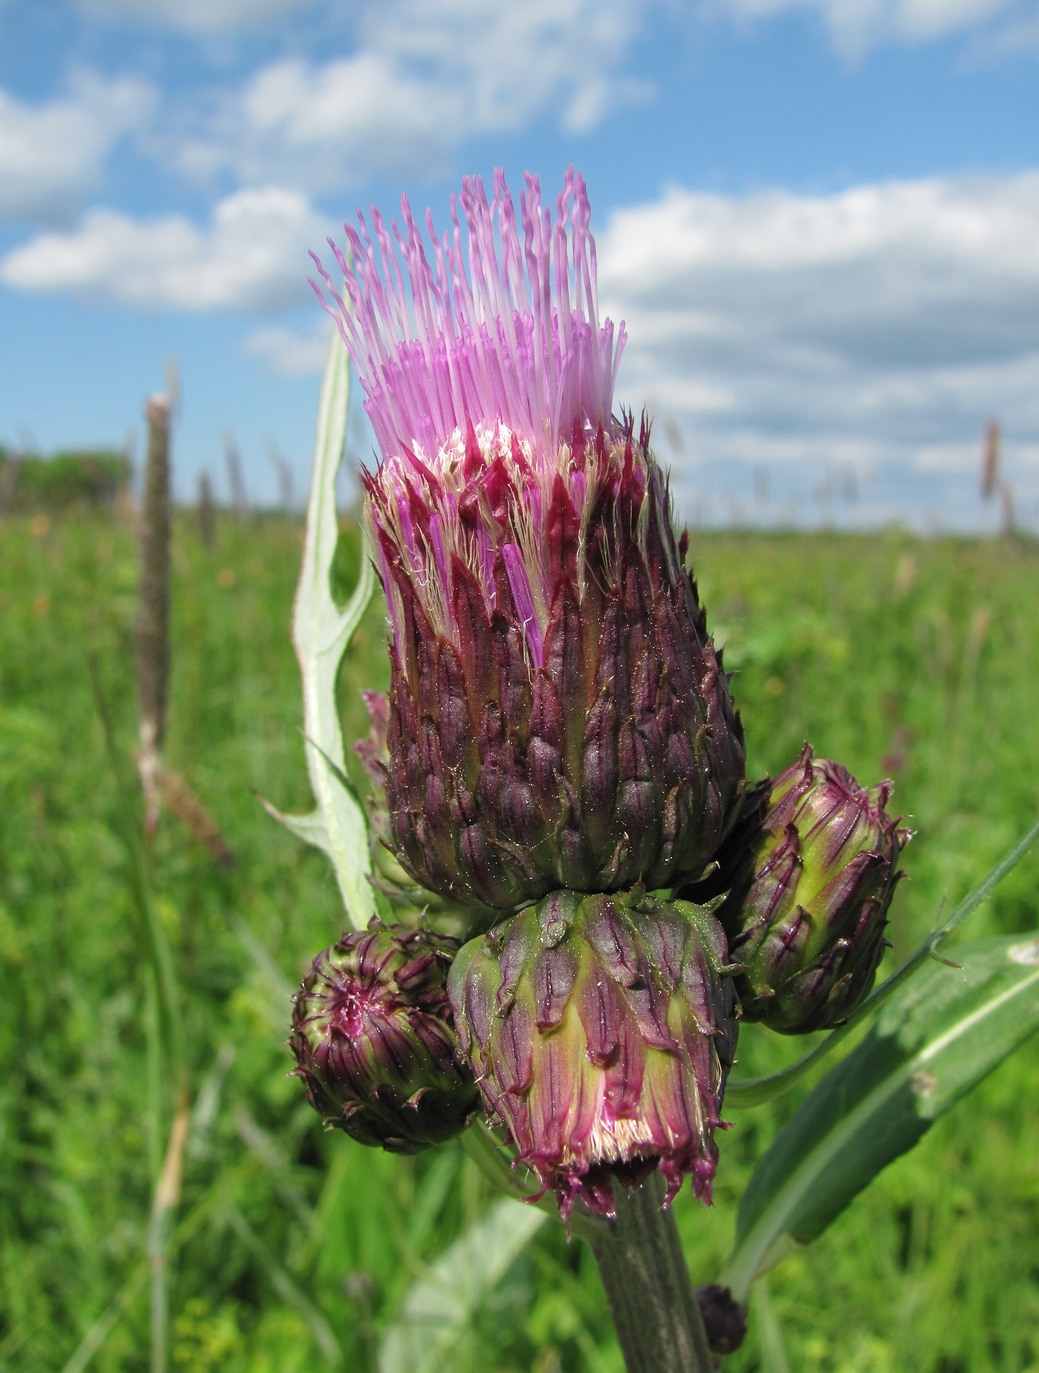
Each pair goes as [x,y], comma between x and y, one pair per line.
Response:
[725,1321]
[374,1040]
[601,1030]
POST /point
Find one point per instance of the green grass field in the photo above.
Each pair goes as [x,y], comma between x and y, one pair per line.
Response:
[292,1249]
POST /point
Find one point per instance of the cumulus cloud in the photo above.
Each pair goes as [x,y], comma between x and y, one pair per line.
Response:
[421,79]
[1020,33]
[252,256]
[872,331]
[858,25]
[52,154]
[288,352]
[195,16]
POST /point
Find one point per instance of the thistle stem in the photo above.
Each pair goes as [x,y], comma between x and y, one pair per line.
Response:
[650,1294]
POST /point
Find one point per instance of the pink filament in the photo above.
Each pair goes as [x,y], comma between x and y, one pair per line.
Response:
[504,333]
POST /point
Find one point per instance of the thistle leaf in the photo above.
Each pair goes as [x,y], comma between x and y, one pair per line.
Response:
[934,1040]
[310,828]
[321,634]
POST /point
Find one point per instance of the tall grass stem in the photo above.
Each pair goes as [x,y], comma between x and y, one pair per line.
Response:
[152,636]
[167,1062]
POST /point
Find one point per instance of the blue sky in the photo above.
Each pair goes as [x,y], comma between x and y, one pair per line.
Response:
[818,218]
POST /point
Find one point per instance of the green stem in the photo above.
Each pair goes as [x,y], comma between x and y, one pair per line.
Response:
[479,1144]
[650,1294]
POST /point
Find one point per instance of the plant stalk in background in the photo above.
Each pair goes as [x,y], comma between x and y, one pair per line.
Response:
[152,634]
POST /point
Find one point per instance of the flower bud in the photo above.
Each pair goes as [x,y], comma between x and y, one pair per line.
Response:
[724,1319]
[558,715]
[374,1039]
[806,915]
[601,1029]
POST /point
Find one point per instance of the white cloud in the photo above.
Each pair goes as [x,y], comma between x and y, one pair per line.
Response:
[53,154]
[521,60]
[195,16]
[914,273]
[421,80]
[858,25]
[858,330]
[1019,34]
[287,353]
[253,256]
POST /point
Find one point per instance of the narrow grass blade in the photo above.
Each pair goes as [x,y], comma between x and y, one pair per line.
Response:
[440,1305]
[933,1041]
[212,1201]
[160,955]
[164,1209]
[321,633]
[770,1333]
[99,1331]
[287,1288]
[167,1058]
[262,959]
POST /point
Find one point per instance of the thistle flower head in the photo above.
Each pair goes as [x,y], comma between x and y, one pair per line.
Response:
[558,717]
[481,378]
[601,1030]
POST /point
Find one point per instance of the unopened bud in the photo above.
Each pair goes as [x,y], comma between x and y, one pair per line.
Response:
[374,1039]
[601,1030]
[806,914]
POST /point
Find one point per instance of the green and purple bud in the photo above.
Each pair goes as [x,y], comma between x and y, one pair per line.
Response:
[810,872]
[601,1029]
[374,1040]
[558,715]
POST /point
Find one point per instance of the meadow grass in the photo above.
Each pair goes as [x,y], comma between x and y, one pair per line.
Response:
[293,1249]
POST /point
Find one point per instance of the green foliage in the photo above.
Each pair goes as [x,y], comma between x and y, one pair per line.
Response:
[92,477]
[296,1250]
